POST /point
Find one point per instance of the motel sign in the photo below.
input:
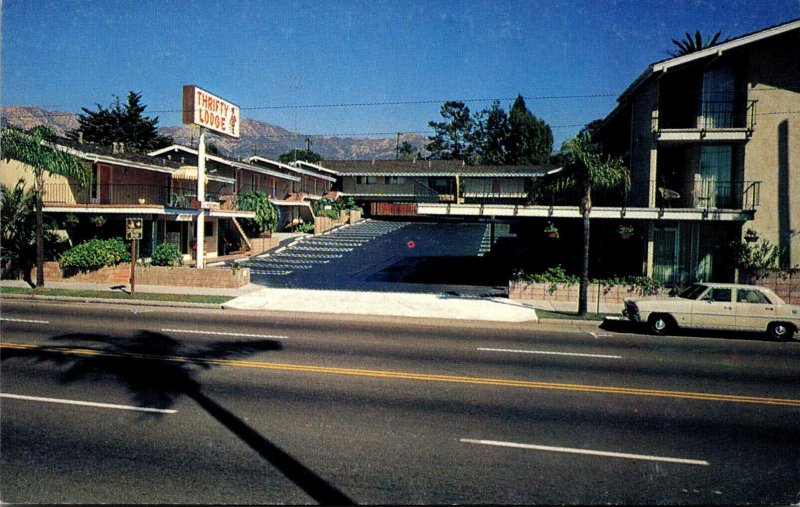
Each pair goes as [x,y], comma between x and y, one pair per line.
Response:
[209,111]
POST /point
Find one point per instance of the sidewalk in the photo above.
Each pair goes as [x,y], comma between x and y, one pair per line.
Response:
[387,304]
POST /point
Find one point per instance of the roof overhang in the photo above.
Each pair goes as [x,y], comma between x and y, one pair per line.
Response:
[256,158]
[105,159]
[654,214]
[317,167]
[231,163]
[717,50]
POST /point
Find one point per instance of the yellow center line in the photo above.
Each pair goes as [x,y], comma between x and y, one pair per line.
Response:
[527,384]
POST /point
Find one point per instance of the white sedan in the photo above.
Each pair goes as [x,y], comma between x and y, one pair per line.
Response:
[725,306]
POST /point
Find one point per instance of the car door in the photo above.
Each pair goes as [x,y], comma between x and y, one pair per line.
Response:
[754,310]
[714,310]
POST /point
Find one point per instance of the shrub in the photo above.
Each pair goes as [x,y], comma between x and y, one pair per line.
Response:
[329,207]
[166,254]
[94,254]
[266,219]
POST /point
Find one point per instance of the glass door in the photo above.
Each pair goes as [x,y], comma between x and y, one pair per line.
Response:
[714,185]
[665,255]
[716,110]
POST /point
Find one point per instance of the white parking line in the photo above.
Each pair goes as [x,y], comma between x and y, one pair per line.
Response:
[246,335]
[87,403]
[590,452]
[29,321]
[550,353]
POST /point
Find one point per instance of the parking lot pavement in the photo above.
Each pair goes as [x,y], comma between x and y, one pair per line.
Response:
[376,255]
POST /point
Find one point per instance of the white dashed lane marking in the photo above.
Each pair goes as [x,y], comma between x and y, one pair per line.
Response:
[550,353]
[225,333]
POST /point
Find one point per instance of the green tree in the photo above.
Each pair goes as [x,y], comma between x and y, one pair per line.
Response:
[587,169]
[34,149]
[691,44]
[306,155]
[121,124]
[405,150]
[18,225]
[492,130]
[452,138]
[266,214]
[530,140]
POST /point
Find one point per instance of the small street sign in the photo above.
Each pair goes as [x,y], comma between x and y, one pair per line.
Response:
[133,229]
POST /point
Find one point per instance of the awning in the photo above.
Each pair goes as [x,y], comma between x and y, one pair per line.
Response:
[187,172]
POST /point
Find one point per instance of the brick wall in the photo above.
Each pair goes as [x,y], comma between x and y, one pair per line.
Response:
[260,245]
[523,291]
[223,278]
[785,285]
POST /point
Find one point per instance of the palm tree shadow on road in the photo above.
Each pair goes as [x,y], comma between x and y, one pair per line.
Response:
[156,370]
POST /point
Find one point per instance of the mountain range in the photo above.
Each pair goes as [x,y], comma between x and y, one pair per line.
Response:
[256,137]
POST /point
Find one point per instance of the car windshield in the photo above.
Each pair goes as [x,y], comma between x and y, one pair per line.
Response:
[693,291]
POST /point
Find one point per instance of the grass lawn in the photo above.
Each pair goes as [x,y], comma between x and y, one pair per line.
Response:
[139,296]
[544,314]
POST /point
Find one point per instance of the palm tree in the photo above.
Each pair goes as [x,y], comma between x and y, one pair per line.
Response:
[692,44]
[33,149]
[17,222]
[585,170]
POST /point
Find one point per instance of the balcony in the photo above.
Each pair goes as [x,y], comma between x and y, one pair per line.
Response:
[64,194]
[705,117]
[707,194]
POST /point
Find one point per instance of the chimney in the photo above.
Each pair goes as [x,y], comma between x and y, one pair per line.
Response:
[80,137]
[114,148]
[122,147]
[414,161]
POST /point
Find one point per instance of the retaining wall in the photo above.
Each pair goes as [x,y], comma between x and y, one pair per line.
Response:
[223,278]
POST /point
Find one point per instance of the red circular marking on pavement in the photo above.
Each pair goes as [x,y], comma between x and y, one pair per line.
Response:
[411,243]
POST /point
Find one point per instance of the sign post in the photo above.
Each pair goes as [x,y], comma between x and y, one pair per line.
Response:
[133,233]
[215,115]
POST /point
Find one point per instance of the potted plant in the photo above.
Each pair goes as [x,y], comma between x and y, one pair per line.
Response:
[625,231]
[98,220]
[71,220]
[751,236]
[551,230]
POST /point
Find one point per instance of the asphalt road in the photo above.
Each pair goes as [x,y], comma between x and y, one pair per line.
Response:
[260,408]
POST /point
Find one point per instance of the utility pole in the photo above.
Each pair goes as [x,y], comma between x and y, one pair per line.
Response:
[201,196]
[397,146]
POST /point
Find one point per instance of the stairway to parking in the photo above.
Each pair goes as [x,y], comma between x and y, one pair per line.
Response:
[500,231]
[312,251]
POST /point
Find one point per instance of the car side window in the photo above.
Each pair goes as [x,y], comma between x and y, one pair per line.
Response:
[751,296]
[718,295]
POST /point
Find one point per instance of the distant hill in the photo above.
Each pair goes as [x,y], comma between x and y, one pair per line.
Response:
[256,137]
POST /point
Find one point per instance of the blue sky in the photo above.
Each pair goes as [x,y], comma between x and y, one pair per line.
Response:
[266,55]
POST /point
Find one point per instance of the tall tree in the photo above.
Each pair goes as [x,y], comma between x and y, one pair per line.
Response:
[492,130]
[34,149]
[530,140]
[691,44]
[405,150]
[121,124]
[306,155]
[587,169]
[452,138]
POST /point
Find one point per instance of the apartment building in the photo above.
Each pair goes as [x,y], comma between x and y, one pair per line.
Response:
[713,138]
[160,191]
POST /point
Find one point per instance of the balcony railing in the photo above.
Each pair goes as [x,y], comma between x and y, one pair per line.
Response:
[177,197]
[693,194]
[706,112]
[708,194]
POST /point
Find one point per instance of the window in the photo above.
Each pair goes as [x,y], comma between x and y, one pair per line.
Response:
[366,180]
[394,180]
[208,229]
[718,295]
[751,296]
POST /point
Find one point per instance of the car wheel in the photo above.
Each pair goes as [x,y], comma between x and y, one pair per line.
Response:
[780,331]
[659,324]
